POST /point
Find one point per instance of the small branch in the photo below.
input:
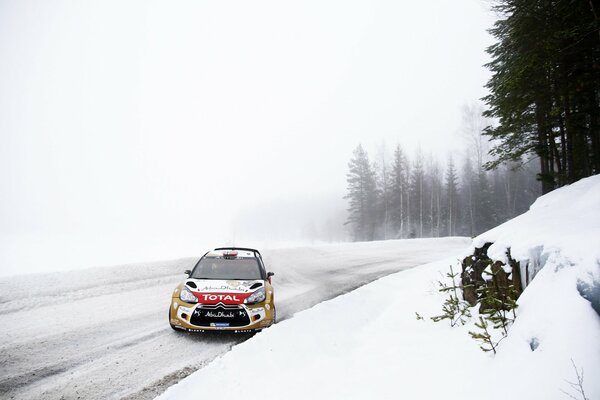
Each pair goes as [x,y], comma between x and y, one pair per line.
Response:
[577,387]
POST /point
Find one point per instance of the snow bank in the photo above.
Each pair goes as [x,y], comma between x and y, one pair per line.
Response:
[558,240]
[562,227]
[369,343]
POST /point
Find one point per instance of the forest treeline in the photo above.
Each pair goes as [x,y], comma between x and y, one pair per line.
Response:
[415,196]
[545,87]
[543,106]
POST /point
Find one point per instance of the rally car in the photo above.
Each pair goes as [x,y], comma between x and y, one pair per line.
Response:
[228,289]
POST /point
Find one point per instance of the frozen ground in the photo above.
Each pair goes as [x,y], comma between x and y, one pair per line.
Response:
[368,344]
[102,333]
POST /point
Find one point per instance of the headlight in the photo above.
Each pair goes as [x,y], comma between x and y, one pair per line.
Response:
[187,296]
[257,296]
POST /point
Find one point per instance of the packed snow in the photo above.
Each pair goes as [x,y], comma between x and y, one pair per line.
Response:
[369,343]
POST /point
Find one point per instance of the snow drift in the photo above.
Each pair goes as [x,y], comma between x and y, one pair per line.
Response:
[369,344]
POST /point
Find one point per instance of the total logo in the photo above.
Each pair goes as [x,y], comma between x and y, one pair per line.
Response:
[220,297]
[225,298]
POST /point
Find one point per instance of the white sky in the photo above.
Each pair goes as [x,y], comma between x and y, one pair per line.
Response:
[131,130]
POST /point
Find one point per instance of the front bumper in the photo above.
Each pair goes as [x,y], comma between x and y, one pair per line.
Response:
[220,317]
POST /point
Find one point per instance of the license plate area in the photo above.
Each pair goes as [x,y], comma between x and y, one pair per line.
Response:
[220,316]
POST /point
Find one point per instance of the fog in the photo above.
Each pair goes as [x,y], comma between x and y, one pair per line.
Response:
[147,130]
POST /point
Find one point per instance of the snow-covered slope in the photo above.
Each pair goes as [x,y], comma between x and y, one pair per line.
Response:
[369,344]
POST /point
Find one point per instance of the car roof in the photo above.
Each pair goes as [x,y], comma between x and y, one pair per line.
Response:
[241,253]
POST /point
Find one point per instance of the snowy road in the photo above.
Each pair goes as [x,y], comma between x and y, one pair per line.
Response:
[103,332]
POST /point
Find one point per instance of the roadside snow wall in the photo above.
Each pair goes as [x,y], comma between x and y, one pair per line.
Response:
[557,246]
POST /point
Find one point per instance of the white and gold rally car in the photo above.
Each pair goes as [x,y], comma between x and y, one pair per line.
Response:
[228,289]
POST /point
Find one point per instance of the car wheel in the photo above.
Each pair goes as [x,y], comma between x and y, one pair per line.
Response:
[274,315]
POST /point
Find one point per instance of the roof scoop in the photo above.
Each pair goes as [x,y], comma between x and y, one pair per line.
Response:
[230,254]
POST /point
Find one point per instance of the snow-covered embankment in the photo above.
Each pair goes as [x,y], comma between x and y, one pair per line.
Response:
[369,343]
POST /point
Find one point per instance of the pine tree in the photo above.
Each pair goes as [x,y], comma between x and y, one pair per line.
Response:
[544,87]
[451,186]
[384,188]
[485,214]
[455,310]
[484,336]
[467,196]
[434,192]
[418,191]
[398,192]
[361,196]
[409,227]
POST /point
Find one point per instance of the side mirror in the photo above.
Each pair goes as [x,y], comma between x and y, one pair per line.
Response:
[187,272]
[269,275]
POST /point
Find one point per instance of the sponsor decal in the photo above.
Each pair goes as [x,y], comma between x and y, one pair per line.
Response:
[225,298]
[241,286]
[219,314]
[214,287]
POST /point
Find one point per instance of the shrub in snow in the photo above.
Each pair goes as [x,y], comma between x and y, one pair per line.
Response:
[495,294]
[484,336]
[491,284]
[499,299]
[454,309]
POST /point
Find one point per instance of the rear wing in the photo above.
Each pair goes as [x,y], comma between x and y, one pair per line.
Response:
[242,249]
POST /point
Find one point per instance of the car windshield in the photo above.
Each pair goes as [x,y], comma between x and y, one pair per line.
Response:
[227,268]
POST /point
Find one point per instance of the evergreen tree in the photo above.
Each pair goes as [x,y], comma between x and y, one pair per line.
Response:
[467,196]
[545,85]
[418,193]
[485,215]
[434,193]
[451,207]
[361,196]
[399,192]
[409,227]
[384,198]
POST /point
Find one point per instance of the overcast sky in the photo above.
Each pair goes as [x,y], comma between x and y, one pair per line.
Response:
[136,130]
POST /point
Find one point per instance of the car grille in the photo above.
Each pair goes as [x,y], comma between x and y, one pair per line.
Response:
[206,315]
